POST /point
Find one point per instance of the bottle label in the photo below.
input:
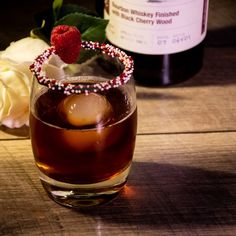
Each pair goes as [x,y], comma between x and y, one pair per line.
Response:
[156,27]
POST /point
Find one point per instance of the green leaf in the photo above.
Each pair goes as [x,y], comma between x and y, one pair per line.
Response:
[56,5]
[91,28]
[46,19]
[85,55]
[38,33]
[90,25]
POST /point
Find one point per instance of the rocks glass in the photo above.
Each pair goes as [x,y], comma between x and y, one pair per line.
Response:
[83,125]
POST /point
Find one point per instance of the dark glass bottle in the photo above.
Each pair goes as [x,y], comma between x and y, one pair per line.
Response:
[165,38]
[167,69]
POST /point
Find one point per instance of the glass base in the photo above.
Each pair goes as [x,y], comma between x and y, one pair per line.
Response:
[84,195]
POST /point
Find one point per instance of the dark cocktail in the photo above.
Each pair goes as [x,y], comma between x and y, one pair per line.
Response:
[83,126]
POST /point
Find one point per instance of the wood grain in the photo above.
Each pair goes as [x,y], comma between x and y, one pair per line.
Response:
[183,177]
[179,185]
[204,103]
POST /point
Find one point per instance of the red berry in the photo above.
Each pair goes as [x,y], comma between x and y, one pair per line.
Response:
[67,42]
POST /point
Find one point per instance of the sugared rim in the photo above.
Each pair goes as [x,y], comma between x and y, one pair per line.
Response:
[70,88]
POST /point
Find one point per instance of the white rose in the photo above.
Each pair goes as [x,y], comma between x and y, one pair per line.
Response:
[15,80]
[24,50]
[14,97]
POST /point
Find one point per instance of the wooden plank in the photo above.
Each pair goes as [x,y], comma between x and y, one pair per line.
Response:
[221,14]
[221,24]
[183,178]
[179,185]
[206,102]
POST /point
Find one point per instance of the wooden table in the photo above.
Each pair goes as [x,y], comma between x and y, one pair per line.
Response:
[183,178]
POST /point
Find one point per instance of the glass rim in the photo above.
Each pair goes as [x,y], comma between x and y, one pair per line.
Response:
[71,88]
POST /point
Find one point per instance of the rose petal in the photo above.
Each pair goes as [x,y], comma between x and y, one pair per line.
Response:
[24,50]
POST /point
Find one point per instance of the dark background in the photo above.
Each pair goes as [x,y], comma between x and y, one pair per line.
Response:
[17,18]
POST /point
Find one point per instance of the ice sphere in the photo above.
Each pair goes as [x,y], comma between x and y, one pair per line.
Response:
[92,140]
[85,109]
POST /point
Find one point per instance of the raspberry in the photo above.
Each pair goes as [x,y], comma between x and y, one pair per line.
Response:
[67,42]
